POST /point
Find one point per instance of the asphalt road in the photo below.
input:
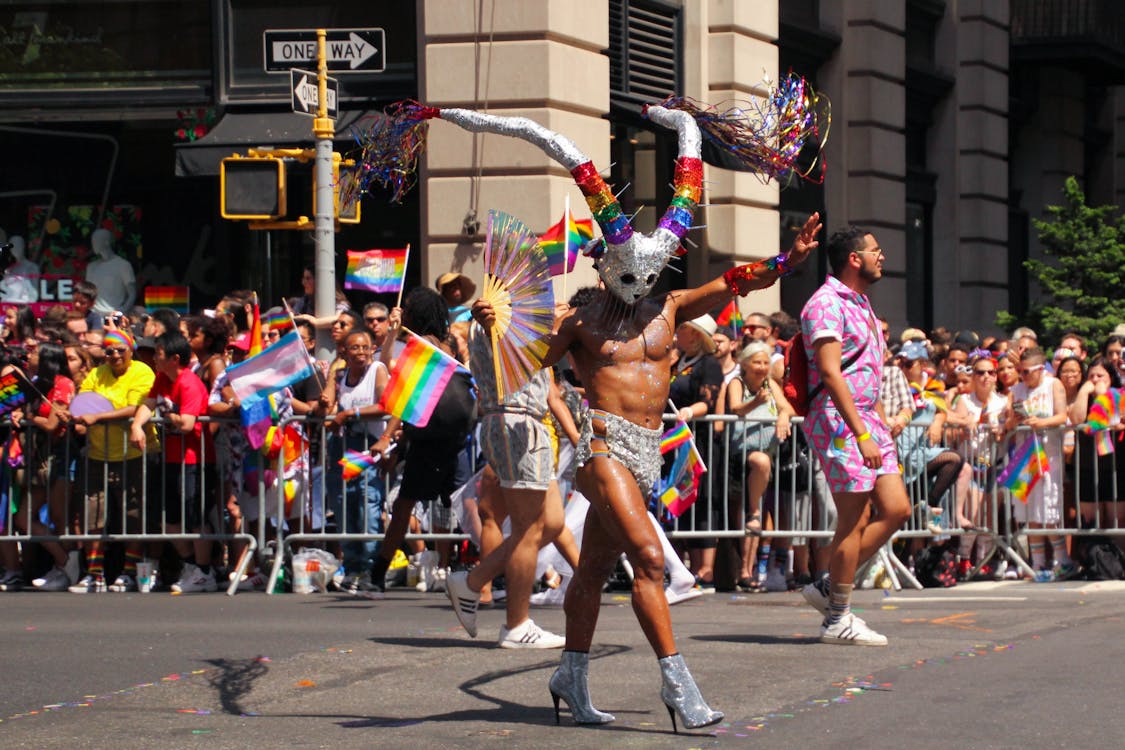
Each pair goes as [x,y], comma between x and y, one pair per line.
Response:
[1007,665]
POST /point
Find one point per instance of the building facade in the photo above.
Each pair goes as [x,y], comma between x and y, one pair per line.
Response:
[953,123]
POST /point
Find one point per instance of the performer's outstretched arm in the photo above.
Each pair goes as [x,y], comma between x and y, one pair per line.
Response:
[744,279]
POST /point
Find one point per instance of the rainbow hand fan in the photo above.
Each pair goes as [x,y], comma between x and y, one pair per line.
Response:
[518,286]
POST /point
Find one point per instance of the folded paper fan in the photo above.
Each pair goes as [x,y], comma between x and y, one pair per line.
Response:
[518,286]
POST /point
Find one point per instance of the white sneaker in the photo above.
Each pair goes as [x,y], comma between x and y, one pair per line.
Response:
[678,597]
[89,585]
[55,580]
[464,600]
[775,580]
[193,580]
[529,635]
[122,584]
[850,631]
[816,598]
[437,582]
[255,582]
[549,598]
[427,562]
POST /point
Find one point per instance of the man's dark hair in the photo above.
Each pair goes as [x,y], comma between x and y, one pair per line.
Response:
[85,288]
[843,243]
[167,317]
[175,345]
[308,327]
[353,316]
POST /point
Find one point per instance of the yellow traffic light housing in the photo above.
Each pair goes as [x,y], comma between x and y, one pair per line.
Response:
[252,187]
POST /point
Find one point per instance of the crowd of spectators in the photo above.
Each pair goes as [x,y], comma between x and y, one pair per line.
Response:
[146,458]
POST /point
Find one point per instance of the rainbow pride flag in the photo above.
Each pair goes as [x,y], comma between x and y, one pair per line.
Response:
[419,378]
[1025,468]
[1100,417]
[278,319]
[376,270]
[177,298]
[14,390]
[561,245]
[675,437]
[355,463]
[730,316]
[680,488]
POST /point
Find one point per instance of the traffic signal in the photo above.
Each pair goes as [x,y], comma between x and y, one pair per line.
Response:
[253,188]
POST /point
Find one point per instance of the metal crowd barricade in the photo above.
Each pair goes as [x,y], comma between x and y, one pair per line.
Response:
[48,478]
[329,515]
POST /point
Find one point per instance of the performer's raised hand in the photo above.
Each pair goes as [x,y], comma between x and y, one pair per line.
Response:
[806,240]
[484,314]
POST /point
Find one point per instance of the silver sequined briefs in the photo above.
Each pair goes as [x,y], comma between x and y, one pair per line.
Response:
[636,448]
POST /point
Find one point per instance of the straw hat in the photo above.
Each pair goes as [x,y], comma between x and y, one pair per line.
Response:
[706,326]
[468,288]
[912,334]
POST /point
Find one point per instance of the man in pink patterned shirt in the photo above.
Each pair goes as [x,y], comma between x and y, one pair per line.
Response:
[847,429]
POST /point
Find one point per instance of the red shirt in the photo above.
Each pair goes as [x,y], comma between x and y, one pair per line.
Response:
[187,395]
[61,394]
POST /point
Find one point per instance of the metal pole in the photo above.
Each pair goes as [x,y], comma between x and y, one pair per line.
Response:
[324,227]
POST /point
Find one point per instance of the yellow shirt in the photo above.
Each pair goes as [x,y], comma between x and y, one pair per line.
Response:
[109,441]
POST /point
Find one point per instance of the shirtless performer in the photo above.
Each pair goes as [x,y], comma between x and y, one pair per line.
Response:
[621,343]
[623,358]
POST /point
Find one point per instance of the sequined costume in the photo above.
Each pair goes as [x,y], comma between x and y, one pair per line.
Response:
[634,447]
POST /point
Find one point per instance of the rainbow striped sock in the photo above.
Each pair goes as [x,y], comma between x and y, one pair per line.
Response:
[131,560]
[95,564]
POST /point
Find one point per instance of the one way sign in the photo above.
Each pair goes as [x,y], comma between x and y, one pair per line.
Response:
[306,94]
[346,50]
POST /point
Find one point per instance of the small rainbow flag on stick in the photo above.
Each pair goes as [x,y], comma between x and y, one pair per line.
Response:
[175,297]
[1025,468]
[379,271]
[730,316]
[419,378]
[277,319]
[561,242]
[1100,417]
[357,462]
[14,390]
[680,488]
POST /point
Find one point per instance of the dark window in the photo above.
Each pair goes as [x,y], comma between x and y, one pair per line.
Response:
[644,46]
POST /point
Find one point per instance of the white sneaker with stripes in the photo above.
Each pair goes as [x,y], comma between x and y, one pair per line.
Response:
[464,600]
[850,631]
[529,635]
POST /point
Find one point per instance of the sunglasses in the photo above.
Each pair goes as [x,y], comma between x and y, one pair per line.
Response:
[339,323]
[378,319]
[962,369]
[1029,370]
[115,351]
[274,334]
[983,373]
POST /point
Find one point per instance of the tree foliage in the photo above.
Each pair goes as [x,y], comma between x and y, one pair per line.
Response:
[1083,274]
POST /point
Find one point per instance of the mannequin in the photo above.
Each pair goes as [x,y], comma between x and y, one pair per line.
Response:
[21,279]
[112,274]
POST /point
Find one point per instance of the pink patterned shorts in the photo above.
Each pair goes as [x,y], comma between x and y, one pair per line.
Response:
[843,464]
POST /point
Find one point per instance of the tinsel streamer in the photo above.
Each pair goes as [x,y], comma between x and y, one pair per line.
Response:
[388,151]
[767,135]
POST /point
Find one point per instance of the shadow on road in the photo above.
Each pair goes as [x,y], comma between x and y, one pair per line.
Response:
[233,679]
[764,640]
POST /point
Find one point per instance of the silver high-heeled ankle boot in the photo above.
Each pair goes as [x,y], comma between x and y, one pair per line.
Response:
[681,696]
[569,684]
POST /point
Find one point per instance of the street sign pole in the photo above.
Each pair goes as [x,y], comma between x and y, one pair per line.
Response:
[324,227]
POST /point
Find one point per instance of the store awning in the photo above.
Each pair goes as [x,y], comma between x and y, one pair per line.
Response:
[238,131]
